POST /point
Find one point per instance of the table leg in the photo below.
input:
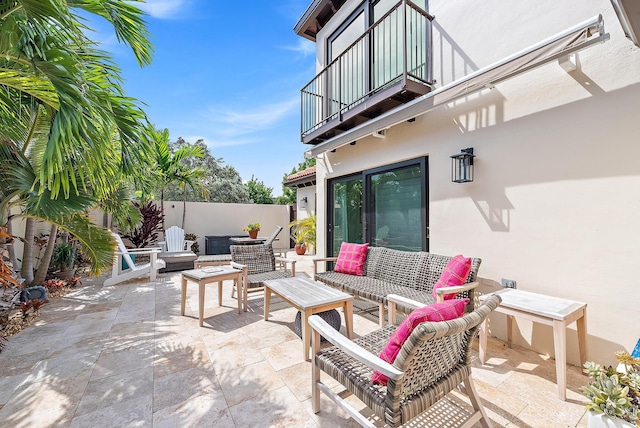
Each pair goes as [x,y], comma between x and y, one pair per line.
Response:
[267,302]
[235,284]
[201,303]
[348,317]
[484,329]
[184,294]
[245,287]
[219,293]
[510,321]
[306,334]
[560,347]
[581,324]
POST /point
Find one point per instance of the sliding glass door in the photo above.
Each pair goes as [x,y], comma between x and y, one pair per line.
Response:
[345,213]
[385,206]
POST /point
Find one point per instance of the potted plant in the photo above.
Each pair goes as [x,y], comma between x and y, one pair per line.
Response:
[252,229]
[63,259]
[195,247]
[614,396]
[303,232]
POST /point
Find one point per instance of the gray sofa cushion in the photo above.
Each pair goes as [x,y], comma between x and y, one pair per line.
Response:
[177,260]
[178,256]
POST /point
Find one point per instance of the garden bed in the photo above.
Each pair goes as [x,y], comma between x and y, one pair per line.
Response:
[19,315]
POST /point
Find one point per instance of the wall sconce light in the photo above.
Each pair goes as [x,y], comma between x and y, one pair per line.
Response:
[462,166]
[303,203]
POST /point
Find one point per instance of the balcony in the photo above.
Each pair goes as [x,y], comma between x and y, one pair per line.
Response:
[389,65]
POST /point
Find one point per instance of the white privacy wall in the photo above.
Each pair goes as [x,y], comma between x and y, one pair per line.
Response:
[555,204]
[211,219]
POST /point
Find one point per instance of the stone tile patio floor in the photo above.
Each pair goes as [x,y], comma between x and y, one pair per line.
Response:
[123,356]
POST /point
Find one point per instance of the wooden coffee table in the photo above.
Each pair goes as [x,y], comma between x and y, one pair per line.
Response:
[309,297]
[206,276]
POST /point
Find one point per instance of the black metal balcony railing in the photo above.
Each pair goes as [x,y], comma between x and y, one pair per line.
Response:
[388,65]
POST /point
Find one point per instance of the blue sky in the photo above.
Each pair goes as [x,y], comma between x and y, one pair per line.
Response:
[229,73]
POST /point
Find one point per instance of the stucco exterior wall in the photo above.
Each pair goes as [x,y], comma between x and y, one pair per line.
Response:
[555,200]
[207,219]
[305,209]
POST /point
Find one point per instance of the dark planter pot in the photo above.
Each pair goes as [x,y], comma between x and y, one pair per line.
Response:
[253,234]
[300,249]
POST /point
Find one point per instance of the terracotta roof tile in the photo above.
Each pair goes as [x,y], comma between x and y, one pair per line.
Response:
[304,173]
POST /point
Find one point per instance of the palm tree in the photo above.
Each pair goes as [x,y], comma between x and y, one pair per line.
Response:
[169,167]
[69,131]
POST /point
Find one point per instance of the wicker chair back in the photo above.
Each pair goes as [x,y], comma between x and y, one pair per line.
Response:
[257,258]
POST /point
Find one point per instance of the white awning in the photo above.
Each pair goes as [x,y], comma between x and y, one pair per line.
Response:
[559,46]
[628,12]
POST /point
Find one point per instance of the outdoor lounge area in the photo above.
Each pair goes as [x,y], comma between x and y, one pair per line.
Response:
[138,362]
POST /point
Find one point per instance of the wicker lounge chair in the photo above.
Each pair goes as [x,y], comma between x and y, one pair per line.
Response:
[274,235]
[434,360]
[258,264]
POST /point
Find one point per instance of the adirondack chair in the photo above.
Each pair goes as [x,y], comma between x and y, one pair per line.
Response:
[176,251]
[174,240]
[118,274]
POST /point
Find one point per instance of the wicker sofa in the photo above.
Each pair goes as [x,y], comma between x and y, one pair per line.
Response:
[408,274]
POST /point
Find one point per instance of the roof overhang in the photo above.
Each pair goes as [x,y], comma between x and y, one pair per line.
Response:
[628,12]
[307,181]
[316,16]
[557,47]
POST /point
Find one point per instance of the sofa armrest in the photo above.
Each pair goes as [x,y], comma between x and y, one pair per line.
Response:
[324,259]
[394,299]
[238,266]
[321,328]
[290,261]
[443,291]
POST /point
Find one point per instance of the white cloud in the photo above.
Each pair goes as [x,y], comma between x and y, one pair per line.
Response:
[304,47]
[241,127]
[163,8]
[231,124]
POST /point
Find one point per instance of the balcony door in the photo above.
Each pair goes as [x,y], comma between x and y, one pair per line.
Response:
[385,206]
[347,80]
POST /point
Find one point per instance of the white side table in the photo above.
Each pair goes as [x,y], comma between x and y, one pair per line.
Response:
[547,310]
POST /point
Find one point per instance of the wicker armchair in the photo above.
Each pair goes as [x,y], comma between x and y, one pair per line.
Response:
[434,360]
[258,264]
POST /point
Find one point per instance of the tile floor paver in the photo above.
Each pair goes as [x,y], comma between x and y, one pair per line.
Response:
[123,356]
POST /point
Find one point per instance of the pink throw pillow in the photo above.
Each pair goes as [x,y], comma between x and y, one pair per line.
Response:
[455,273]
[351,258]
[444,311]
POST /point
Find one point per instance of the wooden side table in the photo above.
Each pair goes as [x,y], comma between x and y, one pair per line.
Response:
[208,275]
[547,310]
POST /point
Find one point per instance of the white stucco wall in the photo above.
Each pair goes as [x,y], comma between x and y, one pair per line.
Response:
[305,209]
[555,200]
[210,219]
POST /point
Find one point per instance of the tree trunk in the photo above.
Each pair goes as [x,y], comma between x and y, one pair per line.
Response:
[41,273]
[184,207]
[12,250]
[162,207]
[27,252]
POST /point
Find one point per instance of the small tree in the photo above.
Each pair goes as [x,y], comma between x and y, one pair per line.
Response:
[258,192]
